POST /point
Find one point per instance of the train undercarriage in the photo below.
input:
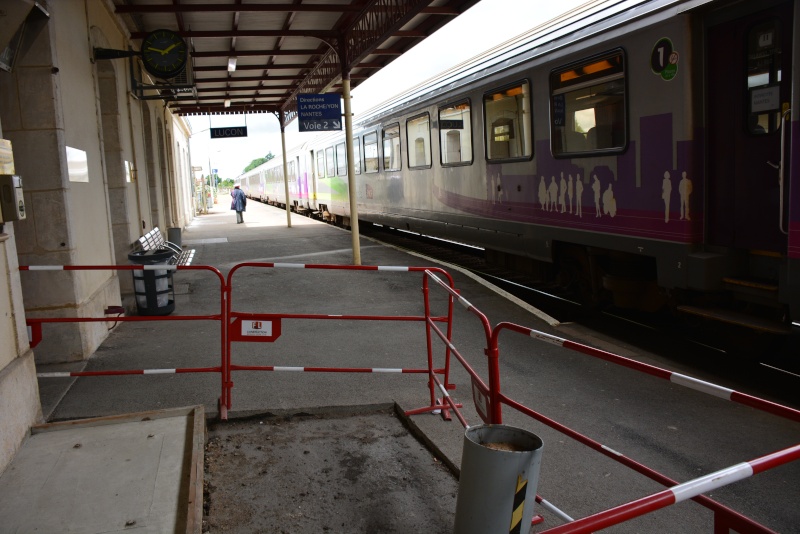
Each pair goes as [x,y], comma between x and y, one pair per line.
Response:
[746,307]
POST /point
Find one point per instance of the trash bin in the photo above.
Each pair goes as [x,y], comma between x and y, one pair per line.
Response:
[174,236]
[498,481]
[153,289]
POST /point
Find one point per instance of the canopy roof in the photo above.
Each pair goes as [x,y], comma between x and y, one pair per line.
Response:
[281,47]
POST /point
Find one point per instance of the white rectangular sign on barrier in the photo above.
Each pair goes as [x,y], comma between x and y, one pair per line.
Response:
[257,328]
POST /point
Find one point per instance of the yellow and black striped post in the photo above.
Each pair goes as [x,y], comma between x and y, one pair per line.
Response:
[519,506]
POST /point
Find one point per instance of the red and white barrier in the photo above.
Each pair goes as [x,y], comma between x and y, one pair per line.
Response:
[488,397]
[489,400]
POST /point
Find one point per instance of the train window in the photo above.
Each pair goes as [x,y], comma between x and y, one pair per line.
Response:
[418,133]
[763,78]
[455,134]
[371,152]
[292,171]
[356,156]
[341,160]
[321,163]
[330,163]
[391,148]
[508,122]
[587,106]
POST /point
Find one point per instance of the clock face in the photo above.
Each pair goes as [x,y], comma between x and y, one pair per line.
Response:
[164,53]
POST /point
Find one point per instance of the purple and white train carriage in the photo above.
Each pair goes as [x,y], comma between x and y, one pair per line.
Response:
[643,150]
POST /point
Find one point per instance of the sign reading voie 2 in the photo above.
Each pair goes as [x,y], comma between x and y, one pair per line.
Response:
[319,112]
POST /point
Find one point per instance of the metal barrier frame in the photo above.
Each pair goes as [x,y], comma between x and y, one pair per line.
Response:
[724,517]
[228,318]
[480,390]
[488,399]
[234,318]
[35,324]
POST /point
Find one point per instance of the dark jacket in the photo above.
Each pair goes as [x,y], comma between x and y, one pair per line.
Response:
[239,202]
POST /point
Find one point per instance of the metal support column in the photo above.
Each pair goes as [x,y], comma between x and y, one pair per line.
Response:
[285,172]
[351,170]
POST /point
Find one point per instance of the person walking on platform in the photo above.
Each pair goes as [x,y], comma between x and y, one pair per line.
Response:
[239,203]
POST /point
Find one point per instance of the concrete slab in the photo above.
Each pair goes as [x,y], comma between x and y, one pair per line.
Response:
[354,471]
[138,472]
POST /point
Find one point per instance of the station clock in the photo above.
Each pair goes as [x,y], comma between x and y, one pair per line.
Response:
[164,53]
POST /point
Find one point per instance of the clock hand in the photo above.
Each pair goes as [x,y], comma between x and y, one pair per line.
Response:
[170,47]
[155,50]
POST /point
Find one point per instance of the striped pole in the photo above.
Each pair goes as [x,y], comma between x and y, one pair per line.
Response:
[679,493]
[723,515]
[65,374]
[676,378]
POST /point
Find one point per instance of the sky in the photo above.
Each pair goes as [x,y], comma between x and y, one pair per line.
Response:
[485,25]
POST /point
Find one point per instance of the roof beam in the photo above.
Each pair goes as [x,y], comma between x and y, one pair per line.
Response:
[264,8]
[248,88]
[244,79]
[318,34]
[222,110]
[220,99]
[223,8]
[271,66]
[386,52]
[270,52]
[374,26]
[220,68]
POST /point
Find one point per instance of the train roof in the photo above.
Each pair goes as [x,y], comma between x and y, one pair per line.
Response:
[582,22]
[277,158]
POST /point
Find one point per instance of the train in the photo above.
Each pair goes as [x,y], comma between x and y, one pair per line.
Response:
[639,153]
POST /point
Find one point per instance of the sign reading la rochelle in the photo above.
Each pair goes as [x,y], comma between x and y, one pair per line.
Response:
[319,112]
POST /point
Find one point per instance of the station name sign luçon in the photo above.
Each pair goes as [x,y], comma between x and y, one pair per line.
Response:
[319,112]
[229,131]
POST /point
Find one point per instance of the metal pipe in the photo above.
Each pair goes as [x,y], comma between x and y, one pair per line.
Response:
[780,170]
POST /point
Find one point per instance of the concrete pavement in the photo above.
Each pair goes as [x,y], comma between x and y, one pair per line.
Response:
[684,434]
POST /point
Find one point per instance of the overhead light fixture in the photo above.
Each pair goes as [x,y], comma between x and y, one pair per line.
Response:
[227,103]
[231,64]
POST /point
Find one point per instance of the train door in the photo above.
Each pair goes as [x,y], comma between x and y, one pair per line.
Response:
[749,89]
[310,156]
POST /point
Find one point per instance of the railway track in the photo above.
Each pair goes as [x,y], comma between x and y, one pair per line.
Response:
[769,367]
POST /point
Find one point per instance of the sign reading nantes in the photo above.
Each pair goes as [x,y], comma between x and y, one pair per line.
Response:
[319,113]
[229,131]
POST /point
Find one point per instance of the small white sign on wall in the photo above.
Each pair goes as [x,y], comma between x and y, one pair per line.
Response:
[77,165]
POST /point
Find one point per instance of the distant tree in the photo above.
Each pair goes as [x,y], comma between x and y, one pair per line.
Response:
[258,161]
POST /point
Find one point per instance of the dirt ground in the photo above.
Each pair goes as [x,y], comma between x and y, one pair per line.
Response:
[311,473]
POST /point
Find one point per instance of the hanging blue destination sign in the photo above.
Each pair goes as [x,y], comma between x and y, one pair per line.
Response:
[319,112]
[229,131]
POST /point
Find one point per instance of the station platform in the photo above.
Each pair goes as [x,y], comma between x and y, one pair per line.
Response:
[362,410]
[336,444]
